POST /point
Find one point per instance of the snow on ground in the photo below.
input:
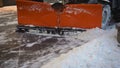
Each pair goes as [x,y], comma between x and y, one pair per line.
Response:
[90,37]
[9,23]
[8,20]
[91,34]
[63,45]
[38,41]
[102,52]
[2,37]
[6,29]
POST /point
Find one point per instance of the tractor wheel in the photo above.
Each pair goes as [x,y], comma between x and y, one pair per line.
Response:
[106,16]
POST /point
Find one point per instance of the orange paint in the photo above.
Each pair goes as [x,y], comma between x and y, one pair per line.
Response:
[82,16]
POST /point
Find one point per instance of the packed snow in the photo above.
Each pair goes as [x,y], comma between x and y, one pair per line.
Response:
[101,52]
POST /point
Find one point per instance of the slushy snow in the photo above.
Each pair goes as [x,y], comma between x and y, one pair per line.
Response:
[101,52]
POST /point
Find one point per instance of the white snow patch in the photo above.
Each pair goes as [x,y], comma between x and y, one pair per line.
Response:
[11,23]
[31,44]
[91,34]
[2,24]
[38,41]
[102,52]
[11,63]
[3,37]
[20,51]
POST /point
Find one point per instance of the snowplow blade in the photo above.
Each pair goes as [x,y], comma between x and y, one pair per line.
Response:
[82,16]
[36,13]
[74,15]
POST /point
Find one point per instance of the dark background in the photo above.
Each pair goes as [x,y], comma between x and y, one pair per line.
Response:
[7,2]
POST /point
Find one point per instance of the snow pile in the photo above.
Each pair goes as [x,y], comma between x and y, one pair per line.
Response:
[101,52]
[92,34]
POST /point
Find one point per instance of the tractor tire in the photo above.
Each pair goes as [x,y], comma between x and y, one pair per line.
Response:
[106,16]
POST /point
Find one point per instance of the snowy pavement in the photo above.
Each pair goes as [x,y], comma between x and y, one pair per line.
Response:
[101,52]
[84,49]
[26,50]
